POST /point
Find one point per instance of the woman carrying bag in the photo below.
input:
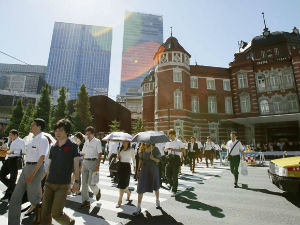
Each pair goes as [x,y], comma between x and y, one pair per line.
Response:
[148,174]
[125,155]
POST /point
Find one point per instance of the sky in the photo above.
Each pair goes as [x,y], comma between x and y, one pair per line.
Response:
[208,29]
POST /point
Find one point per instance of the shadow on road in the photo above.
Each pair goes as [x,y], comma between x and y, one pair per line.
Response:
[148,219]
[292,198]
[190,198]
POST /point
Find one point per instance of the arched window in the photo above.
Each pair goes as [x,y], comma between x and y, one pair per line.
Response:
[264,106]
[278,104]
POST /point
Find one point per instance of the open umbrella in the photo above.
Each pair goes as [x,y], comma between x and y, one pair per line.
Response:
[117,136]
[151,137]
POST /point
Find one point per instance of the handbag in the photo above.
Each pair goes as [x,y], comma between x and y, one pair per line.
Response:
[229,155]
[95,178]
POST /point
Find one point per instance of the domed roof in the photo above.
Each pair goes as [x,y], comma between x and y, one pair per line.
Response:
[171,44]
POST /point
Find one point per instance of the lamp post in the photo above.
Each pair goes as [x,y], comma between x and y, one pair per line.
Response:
[169,115]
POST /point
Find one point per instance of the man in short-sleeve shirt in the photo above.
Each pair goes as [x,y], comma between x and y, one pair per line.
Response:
[31,176]
[236,147]
[175,149]
[92,150]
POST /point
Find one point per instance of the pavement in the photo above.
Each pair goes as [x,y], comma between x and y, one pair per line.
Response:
[206,197]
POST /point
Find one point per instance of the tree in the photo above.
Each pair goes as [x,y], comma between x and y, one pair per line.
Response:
[138,127]
[114,126]
[44,105]
[60,111]
[82,116]
[27,118]
[16,117]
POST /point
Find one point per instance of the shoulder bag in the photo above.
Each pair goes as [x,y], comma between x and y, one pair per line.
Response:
[229,155]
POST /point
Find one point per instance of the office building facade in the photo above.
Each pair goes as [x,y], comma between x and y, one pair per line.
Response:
[80,54]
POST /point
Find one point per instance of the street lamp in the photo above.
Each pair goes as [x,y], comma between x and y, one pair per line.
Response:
[169,115]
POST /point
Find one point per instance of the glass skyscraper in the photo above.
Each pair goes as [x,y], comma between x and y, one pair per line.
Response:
[143,34]
[80,54]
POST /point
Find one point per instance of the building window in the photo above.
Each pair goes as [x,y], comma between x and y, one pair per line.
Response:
[212,104]
[228,105]
[177,76]
[178,127]
[164,58]
[148,87]
[293,103]
[210,84]
[245,103]
[214,131]
[262,54]
[278,105]
[264,106]
[177,99]
[177,57]
[195,104]
[275,81]
[242,81]
[196,132]
[226,85]
[261,81]
[288,79]
[194,82]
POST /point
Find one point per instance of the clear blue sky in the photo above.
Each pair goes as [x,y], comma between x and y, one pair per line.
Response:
[208,29]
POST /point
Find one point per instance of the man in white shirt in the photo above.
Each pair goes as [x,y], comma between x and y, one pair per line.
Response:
[200,150]
[209,151]
[234,148]
[31,176]
[92,150]
[174,149]
[10,165]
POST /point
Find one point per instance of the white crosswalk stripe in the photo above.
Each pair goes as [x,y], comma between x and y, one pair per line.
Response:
[104,211]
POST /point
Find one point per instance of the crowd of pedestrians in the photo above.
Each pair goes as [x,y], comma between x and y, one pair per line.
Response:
[56,166]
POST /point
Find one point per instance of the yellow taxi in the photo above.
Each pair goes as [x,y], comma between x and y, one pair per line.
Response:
[285,173]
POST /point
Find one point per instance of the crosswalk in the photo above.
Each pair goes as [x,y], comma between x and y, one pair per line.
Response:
[104,212]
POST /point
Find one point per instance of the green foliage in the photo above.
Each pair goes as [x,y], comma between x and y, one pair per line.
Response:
[27,118]
[138,127]
[114,126]
[16,117]
[82,116]
[44,106]
[60,110]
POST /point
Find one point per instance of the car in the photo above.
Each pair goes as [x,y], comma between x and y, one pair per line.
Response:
[285,174]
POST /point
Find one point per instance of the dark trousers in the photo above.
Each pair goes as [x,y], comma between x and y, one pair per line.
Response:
[234,166]
[104,156]
[192,156]
[10,166]
[173,170]
[112,156]
[137,158]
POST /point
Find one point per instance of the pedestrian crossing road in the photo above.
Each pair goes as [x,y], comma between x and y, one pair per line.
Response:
[104,211]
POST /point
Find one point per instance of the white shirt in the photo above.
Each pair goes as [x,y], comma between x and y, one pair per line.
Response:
[127,155]
[209,145]
[16,147]
[176,144]
[199,144]
[113,147]
[92,148]
[192,147]
[37,147]
[237,148]
[161,147]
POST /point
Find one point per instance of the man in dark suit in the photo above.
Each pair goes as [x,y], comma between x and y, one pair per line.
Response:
[192,149]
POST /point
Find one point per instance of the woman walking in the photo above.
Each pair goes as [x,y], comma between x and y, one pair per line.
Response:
[148,174]
[125,155]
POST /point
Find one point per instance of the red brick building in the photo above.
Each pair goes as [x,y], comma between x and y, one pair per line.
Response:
[258,95]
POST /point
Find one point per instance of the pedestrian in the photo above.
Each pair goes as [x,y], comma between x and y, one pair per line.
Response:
[125,156]
[63,160]
[234,149]
[161,164]
[10,166]
[200,150]
[148,174]
[92,150]
[209,151]
[174,148]
[138,148]
[79,140]
[113,147]
[193,150]
[3,149]
[31,175]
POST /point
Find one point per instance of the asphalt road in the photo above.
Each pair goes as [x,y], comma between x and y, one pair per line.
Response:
[208,197]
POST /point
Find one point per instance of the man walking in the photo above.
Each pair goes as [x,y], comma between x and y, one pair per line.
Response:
[174,148]
[31,176]
[64,156]
[91,151]
[234,148]
[10,166]
[193,150]
[209,151]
